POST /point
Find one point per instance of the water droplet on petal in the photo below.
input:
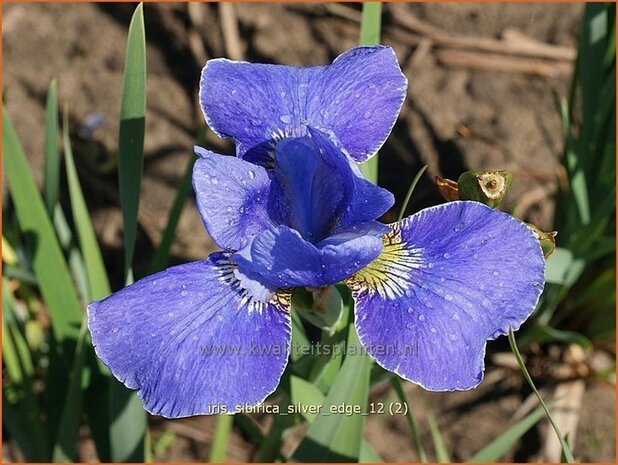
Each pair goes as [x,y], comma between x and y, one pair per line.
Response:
[251,174]
[410,310]
[475,256]
[228,209]
[214,180]
[409,326]
[442,279]
[448,297]
[234,91]
[421,317]
[367,114]
[495,273]
[433,330]
[455,316]
[184,293]
[429,265]
[282,93]
[114,330]
[285,119]
[484,241]
[241,210]
[447,255]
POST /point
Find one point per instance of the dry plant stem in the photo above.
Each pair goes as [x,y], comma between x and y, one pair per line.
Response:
[229,25]
[566,416]
[483,61]
[196,20]
[512,43]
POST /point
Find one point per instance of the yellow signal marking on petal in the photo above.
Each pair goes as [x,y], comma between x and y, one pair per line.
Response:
[389,274]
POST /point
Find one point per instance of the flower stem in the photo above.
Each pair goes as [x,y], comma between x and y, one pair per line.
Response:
[566,451]
[413,184]
[420,451]
[218,449]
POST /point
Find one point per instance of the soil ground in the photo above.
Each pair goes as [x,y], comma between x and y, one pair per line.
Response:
[455,118]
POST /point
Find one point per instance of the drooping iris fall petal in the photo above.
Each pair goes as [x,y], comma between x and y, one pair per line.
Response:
[191,340]
[449,278]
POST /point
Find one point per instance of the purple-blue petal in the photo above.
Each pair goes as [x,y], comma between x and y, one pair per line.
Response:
[449,278]
[367,201]
[357,97]
[281,258]
[314,185]
[192,341]
[232,197]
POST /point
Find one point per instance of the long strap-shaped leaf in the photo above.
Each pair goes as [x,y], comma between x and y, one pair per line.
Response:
[52,162]
[131,135]
[338,437]
[371,21]
[48,262]
[128,420]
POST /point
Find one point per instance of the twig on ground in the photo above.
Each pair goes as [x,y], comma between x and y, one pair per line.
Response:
[483,61]
[512,43]
[234,47]
[423,49]
[196,20]
[566,415]
[530,198]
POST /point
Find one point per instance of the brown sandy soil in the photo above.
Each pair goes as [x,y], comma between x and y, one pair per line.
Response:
[455,118]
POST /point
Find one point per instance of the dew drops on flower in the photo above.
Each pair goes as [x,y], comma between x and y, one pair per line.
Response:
[292,210]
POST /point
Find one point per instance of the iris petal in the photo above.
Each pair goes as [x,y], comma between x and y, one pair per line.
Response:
[367,201]
[232,197]
[281,258]
[358,97]
[449,278]
[192,341]
[313,184]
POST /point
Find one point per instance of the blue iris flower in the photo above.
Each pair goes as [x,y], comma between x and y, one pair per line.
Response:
[293,210]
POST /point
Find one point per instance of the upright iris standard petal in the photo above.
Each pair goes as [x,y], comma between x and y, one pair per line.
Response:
[281,258]
[318,190]
[449,278]
[192,341]
[232,197]
[313,185]
[366,201]
[357,97]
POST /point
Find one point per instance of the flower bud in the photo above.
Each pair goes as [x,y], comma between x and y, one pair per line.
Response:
[488,187]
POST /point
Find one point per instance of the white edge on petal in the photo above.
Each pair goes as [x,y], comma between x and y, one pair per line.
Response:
[484,348]
[138,389]
[362,156]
